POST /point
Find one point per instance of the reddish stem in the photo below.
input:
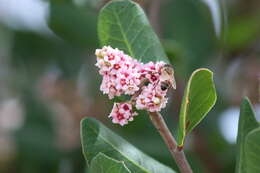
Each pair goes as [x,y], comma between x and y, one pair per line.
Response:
[178,155]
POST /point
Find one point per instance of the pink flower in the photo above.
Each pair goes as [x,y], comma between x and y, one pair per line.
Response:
[123,75]
[122,113]
[120,72]
[152,98]
[151,71]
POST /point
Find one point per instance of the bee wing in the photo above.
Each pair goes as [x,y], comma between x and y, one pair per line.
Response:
[173,82]
[166,76]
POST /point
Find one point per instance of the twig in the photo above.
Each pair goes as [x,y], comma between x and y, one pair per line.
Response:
[178,155]
[161,126]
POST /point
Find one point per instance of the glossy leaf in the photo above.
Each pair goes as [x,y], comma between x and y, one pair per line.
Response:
[247,123]
[96,138]
[104,164]
[252,151]
[123,24]
[199,97]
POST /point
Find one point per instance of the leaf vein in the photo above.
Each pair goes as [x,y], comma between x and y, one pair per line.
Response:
[93,129]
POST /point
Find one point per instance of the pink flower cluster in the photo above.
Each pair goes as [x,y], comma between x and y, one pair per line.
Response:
[119,71]
[122,113]
[152,98]
[122,75]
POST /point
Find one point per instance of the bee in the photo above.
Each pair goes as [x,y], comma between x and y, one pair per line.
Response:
[167,77]
[165,85]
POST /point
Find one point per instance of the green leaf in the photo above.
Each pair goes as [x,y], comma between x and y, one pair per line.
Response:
[92,3]
[74,24]
[197,43]
[96,138]
[104,164]
[247,123]
[199,97]
[122,24]
[242,31]
[252,151]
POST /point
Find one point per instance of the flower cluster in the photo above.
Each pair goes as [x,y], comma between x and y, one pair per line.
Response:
[152,98]
[122,113]
[152,71]
[123,75]
[119,71]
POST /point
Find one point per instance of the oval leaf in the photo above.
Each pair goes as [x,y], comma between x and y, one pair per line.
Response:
[252,151]
[247,122]
[199,97]
[96,138]
[104,164]
[122,24]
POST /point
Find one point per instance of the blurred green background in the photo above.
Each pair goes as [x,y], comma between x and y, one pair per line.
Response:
[48,81]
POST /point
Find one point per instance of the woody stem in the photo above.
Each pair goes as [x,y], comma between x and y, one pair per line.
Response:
[169,140]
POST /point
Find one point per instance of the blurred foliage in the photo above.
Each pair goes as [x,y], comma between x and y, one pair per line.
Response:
[242,31]
[29,59]
[35,140]
[74,24]
[191,27]
[33,53]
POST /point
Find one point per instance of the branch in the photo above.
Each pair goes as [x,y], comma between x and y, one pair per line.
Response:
[178,155]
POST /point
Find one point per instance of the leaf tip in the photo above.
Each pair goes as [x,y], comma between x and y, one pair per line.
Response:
[246,103]
[86,120]
[246,100]
[203,69]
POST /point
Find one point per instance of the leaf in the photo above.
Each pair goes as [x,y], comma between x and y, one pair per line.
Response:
[197,42]
[93,3]
[96,138]
[252,151]
[242,31]
[122,24]
[74,24]
[28,45]
[104,164]
[247,123]
[199,97]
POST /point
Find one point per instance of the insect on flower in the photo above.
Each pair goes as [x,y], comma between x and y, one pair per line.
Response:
[167,77]
[147,84]
[165,85]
